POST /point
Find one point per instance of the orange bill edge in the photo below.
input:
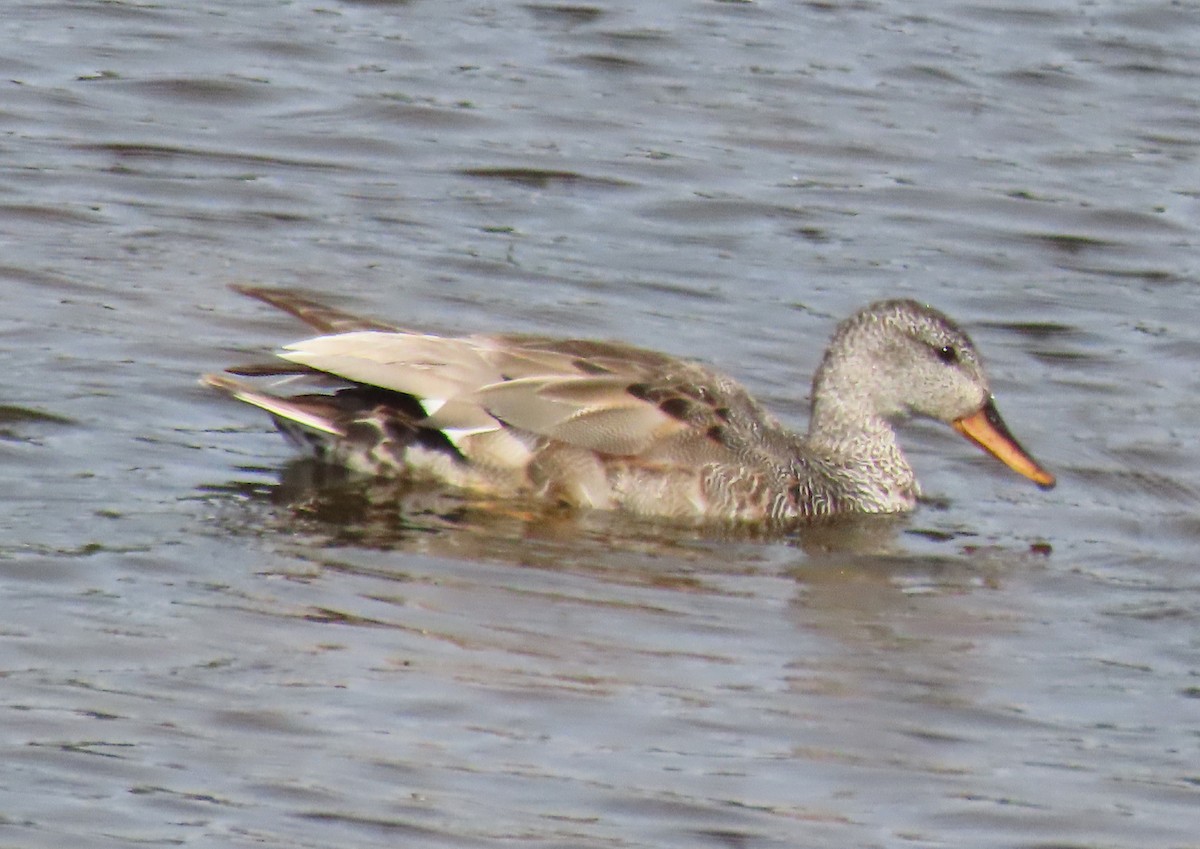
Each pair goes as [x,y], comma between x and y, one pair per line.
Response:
[987,430]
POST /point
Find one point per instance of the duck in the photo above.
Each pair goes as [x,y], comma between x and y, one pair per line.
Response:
[605,425]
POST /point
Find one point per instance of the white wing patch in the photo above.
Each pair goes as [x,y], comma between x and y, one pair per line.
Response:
[431,405]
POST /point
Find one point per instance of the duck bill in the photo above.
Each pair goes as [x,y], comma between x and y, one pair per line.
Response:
[987,430]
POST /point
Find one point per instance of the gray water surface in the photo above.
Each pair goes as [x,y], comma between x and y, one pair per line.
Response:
[199,646]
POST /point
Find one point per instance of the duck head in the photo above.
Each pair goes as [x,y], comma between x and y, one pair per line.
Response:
[900,357]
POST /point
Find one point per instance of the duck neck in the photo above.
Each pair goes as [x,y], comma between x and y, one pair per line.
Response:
[860,444]
[847,431]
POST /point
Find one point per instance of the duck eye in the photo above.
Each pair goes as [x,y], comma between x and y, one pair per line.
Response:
[948,354]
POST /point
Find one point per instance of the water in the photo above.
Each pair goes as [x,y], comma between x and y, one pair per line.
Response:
[200,648]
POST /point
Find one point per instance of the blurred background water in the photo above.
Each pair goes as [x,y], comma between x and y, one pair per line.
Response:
[200,648]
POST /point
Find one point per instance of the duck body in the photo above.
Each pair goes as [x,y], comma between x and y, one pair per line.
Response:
[610,426]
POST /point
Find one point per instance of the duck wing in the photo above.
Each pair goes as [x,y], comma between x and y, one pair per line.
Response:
[605,397]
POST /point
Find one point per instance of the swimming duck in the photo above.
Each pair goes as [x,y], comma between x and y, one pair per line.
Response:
[606,425]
